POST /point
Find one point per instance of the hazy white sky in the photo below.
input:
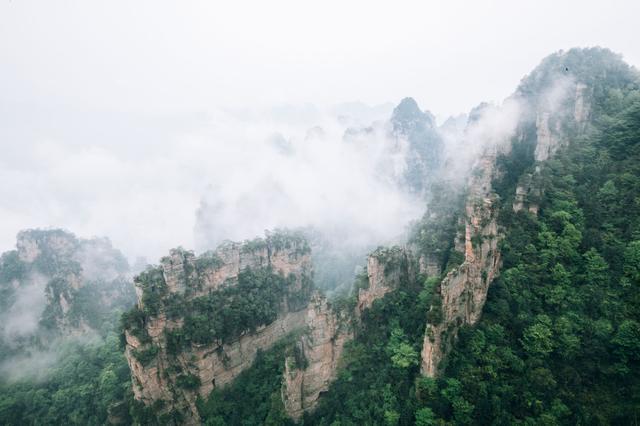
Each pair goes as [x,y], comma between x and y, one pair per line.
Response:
[109,110]
[166,55]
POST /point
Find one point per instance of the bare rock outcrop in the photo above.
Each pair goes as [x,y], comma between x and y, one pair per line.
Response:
[463,291]
[386,268]
[170,379]
[429,266]
[527,194]
[63,268]
[314,366]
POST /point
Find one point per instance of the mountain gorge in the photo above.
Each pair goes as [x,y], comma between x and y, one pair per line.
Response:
[512,300]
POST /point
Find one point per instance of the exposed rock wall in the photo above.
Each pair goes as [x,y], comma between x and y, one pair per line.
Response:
[157,382]
[323,331]
[463,291]
[527,194]
[214,365]
[429,266]
[321,348]
[328,331]
[385,270]
[582,106]
[547,134]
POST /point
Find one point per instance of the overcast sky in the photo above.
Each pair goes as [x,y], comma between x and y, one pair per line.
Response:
[146,55]
[90,90]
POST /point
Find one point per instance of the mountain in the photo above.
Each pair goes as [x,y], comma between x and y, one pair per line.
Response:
[201,323]
[406,328]
[418,129]
[529,312]
[515,299]
[58,285]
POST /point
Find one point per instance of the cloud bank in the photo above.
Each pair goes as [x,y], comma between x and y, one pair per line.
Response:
[141,181]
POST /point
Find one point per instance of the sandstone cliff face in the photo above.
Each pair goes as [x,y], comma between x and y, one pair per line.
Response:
[385,270]
[547,134]
[527,194]
[32,244]
[214,365]
[429,266]
[561,108]
[180,267]
[554,126]
[320,349]
[160,381]
[463,291]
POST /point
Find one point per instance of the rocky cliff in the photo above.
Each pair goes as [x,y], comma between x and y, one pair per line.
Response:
[200,321]
[463,291]
[327,330]
[386,267]
[314,366]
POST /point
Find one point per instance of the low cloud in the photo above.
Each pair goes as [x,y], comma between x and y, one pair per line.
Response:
[22,319]
[144,193]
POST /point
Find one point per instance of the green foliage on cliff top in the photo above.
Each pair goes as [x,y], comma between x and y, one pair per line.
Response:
[223,315]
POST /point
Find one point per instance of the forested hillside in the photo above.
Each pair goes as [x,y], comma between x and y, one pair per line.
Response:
[559,340]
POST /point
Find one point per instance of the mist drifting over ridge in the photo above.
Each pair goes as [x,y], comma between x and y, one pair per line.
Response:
[319,213]
[234,173]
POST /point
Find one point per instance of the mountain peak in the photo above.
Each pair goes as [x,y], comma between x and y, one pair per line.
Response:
[592,66]
[407,110]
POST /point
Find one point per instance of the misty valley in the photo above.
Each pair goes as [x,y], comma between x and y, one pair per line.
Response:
[365,266]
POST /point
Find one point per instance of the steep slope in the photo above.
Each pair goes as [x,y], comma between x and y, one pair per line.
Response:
[414,146]
[566,105]
[388,270]
[555,104]
[418,130]
[463,291]
[314,363]
[359,360]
